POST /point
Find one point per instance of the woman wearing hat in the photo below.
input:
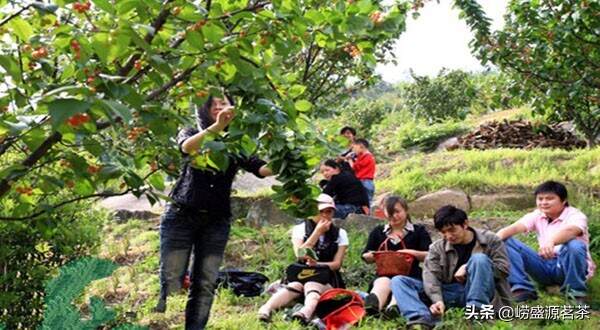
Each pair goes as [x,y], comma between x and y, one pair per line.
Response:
[330,244]
[399,234]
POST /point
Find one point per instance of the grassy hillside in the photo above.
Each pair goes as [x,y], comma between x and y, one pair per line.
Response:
[133,289]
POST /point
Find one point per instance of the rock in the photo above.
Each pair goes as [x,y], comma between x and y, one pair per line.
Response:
[122,215]
[425,206]
[240,206]
[264,212]
[359,222]
[503,201]
[449,144]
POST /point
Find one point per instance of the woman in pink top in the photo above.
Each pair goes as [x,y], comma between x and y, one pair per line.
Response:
[563,258]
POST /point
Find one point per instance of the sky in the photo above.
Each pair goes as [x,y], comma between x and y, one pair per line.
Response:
[438,38]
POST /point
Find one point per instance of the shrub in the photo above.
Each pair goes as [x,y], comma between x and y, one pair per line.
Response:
[31,252]
[449,95]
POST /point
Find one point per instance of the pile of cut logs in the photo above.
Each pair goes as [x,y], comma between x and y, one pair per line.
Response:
[518,134]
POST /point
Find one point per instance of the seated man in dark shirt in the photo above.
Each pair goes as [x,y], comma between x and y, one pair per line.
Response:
[348,192]
[467,267]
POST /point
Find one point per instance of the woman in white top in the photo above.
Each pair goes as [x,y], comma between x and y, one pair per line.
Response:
[330,244]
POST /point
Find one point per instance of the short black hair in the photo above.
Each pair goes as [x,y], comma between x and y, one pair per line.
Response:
[554,188]
[362,142]
[449,215]
[332,163]
[348,128]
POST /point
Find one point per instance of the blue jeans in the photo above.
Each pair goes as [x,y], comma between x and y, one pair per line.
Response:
[478,290]
[342,210]
[182,232]
[568,269]
[370,188]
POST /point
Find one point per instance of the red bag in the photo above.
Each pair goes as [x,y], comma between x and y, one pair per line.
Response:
[339,308]
[392,263]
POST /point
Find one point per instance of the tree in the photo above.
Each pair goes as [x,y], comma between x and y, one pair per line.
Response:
[551,49]
[93,93]
[449,95]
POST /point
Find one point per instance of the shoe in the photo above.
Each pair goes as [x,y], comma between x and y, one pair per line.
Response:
[372,304]
[524,295]
[161,306]
[391,313]
[299,316]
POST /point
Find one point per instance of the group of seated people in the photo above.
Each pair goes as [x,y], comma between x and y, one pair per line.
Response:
[466,267]
[349,178]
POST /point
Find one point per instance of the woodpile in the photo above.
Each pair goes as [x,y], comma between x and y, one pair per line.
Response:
[518,134]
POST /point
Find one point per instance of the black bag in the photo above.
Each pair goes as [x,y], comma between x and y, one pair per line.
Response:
[248,284]
[302,273]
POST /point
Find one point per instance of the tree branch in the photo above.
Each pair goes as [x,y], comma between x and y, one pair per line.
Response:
[8,18]
[73,200]
[158,23]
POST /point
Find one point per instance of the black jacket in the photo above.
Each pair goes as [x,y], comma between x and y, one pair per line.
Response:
[206,190]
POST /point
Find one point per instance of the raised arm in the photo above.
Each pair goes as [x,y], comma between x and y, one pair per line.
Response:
[194,142]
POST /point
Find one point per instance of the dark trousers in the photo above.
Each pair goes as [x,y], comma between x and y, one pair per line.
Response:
[184,231]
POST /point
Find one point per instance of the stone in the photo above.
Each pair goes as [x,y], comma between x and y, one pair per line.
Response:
[425,206]
[448,144]
[503,201]
[263,212]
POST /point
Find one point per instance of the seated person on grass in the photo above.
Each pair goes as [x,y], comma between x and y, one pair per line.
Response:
[399,234]
[330,244]
[466,267]
[349,194]
[563,257]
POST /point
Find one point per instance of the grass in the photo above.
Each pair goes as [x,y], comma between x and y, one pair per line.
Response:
[133,289]
[493,171]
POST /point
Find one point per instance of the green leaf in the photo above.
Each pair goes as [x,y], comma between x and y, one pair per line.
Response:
[157,181]
[297,90]
[228,71]
[215,145]
[61,109]
[83,187]
[104,5]
[218,160]
[119,110]
[101,46]
[21,28]
[303,105]
[11,66]
[34,138]
[213,33]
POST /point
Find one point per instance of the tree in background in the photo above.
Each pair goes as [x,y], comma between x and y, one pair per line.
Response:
[448,95]
[551,49]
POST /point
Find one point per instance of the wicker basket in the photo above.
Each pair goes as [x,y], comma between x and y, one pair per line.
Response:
[392,263]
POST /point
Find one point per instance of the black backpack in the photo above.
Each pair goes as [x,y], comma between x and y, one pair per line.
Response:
[248,284]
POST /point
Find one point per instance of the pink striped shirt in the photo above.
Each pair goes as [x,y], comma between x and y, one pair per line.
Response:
[537,221]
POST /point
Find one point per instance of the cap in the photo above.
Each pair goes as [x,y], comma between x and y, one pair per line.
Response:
[325,201]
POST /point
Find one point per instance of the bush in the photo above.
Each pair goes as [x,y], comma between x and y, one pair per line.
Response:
[447,96]
[363,114]
[31,252]
[400,131]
